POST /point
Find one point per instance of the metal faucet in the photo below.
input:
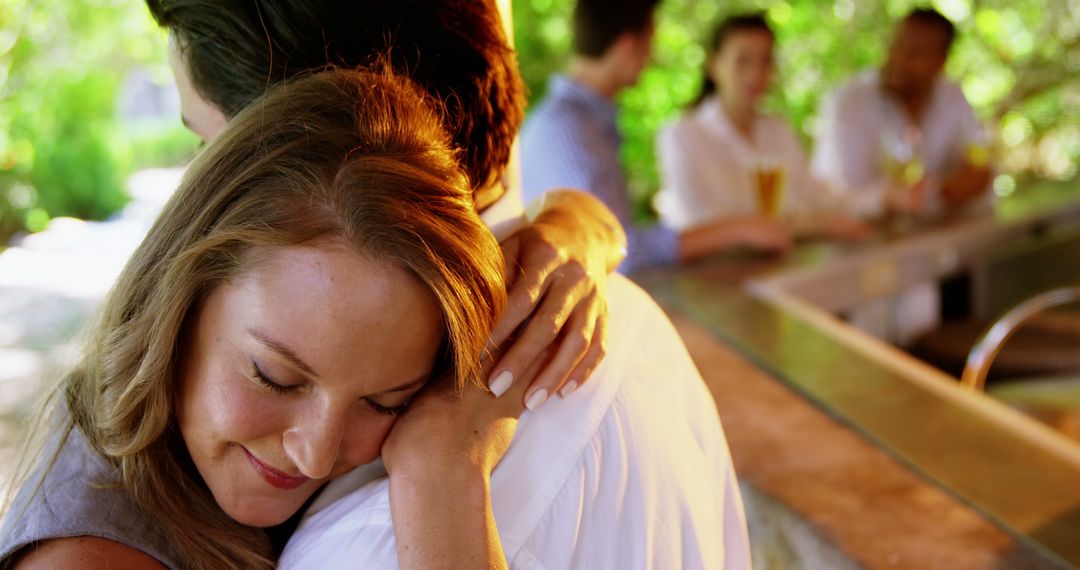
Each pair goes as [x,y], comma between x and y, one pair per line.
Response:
[989,345]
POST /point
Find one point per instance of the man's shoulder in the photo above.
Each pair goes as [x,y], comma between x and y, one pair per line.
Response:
[630,305]
[559,117]
[952,93]
[354,528]
[859,89]
[565,146]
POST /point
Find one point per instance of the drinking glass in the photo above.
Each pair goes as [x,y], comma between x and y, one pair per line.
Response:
[769,179]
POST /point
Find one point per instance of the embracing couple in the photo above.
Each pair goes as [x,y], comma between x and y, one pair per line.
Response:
[342,345]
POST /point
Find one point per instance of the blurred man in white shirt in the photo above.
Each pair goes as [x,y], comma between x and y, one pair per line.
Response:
[904,138]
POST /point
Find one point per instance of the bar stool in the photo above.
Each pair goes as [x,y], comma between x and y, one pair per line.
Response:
[1056,399]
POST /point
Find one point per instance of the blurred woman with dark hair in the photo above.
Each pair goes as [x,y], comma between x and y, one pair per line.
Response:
[724,160]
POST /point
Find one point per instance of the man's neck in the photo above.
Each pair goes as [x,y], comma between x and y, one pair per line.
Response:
[596,74]
[483,198]
[914,103]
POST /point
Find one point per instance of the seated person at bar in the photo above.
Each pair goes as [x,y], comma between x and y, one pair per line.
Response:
[223,54]
[725,160]
[571,139]
[629,471]
[320,268]
[904,138]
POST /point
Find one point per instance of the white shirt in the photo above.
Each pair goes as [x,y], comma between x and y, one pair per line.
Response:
[630,471]
[859,123]
[707,166]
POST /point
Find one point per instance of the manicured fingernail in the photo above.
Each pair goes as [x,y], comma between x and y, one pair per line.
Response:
[537,399]
[501,383]
[568,388]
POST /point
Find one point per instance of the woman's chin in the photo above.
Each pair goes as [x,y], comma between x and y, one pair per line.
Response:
[260,520]
[262,513]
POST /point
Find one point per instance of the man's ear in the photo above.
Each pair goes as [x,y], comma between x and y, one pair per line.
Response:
[941,64]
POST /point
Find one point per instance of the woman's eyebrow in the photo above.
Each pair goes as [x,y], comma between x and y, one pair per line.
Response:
[284,351]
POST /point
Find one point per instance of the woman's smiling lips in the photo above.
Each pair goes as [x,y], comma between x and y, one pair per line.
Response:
[273,476]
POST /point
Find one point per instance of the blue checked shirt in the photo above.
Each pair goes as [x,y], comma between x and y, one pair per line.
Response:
[571,140]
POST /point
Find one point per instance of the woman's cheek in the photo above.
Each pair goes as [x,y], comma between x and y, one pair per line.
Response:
[244,412]
[362,442]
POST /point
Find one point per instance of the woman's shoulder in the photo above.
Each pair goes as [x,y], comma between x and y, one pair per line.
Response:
[689,128]
[689,118]
[76,492]
[83,552]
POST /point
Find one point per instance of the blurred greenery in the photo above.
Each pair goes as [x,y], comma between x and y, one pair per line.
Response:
[1018,61]
[63,149]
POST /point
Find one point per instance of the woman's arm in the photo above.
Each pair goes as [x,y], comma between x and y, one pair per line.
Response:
[556,271]
[443,519]
[440,455]
[758,233]
[89,552]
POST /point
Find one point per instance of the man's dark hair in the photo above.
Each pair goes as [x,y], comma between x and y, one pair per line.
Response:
[455,49]
[931,17]
[598,23]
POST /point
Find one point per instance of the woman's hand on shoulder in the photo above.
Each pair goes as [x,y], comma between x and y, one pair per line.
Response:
[556,272]
[88,552]
[445,431]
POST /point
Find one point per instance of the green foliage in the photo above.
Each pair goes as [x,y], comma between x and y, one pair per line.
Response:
[78,162]
[161,145]
[63,151]
[1017,60]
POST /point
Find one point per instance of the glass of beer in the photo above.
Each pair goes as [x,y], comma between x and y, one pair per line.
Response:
[903,163]
[768,179]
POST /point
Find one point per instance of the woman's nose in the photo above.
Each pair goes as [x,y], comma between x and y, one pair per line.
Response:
[315,444]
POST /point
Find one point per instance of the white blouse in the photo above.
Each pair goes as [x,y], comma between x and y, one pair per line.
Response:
[631,471]
[707,168]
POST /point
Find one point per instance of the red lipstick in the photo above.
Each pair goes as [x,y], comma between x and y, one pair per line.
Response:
[273,476]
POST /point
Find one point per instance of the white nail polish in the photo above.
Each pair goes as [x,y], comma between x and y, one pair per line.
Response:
[568,388]
[537,399]
[501,383]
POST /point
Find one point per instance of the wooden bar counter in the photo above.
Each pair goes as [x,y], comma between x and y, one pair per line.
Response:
[852,453]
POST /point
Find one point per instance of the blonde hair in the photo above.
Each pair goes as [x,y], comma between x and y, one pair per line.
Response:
[352,154]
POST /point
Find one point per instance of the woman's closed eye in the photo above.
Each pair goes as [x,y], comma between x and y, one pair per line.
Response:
[266,381]
[386,410]
[269,383]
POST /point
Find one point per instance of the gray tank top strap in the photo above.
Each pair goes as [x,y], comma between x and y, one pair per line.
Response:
[78,497]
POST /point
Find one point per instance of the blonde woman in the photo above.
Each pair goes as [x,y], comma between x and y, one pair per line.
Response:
[320,267]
